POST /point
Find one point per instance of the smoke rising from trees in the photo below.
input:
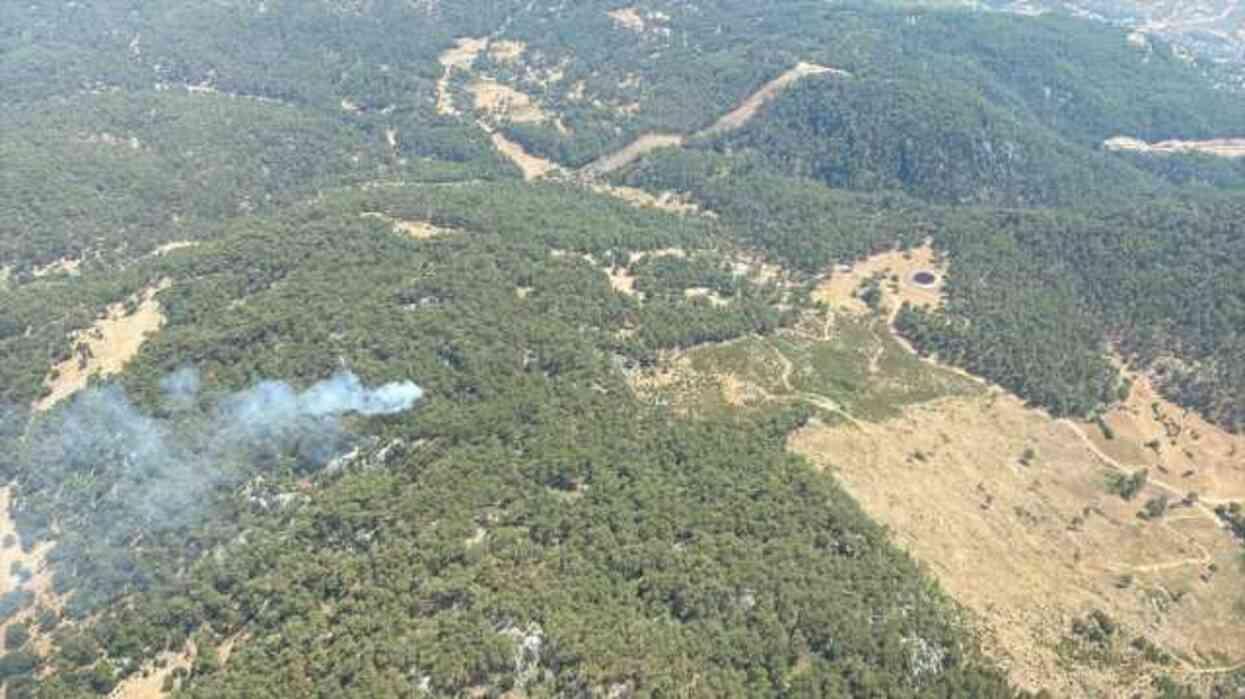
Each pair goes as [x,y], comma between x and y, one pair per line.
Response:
[160,468]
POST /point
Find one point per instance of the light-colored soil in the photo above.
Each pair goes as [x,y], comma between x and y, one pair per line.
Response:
[504,51]
[174,246]
[1029,548]
[419,230]
[839,290]
[734,119]
[461,57]
[666,201]
[1222,147]
[630,153]
[503,102]
[702,292]
[1026,545]
[628,18]
[112,341]
[40,582]
[749,108]
[533,167]
[65,265]
[148,683]
[1188,454]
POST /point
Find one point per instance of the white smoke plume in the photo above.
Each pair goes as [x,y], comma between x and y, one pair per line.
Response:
[160,470]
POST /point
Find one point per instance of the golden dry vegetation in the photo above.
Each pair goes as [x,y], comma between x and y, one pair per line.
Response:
[1008,508]
[105,347]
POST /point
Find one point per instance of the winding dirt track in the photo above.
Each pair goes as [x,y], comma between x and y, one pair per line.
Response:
[732,120]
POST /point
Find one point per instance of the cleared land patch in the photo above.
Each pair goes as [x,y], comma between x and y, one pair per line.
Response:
[1014,512]
[105,347]
[1222,147]
[419,230]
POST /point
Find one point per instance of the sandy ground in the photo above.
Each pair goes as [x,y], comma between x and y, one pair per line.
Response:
[504,51]
[111,342]
[749,108]
[1187,453]
[461,57]
[419,230]
[148,683]
[174,246]
[1010,509]
[630,153]
[533,167]
[666,201]
[1028,548]
[630,19]
[734,119]
[66,265]
[839,290]
[1222,147]
[501,101]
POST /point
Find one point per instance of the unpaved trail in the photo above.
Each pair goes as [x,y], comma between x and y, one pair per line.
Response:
[1150,481]
[730,121]
[749,108]
[629,154]
[1221,147]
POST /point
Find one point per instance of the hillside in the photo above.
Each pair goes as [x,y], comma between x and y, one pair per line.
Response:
[670,349]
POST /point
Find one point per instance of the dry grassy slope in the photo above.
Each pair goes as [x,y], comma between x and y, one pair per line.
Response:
[1008,507]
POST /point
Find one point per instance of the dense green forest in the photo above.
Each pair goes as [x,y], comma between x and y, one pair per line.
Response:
[531,525]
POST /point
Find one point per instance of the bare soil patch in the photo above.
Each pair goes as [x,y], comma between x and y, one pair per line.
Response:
[501,101]
[105,347]
[666,201]
[1028,547]
[174,246]
[505,51]
[1179,447]
[461,57]
[1222,147]
[148,683]
[419,230]
[533,167]
[68,266]
[749,108]
[898,270]
[630,153]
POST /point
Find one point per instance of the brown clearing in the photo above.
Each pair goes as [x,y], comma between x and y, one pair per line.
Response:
[419,230]
[148,683]
[666,201]
[1002,538]
[461,57]
[531,166]
[1005,540]
[1027,548]
[1187,453]
[630,153]
[839,290]
[749,108]
[628,18]
[65,265]
[40,582]
[1222,147]
[504,51]
[110,343]
[175,245]
[505,102]
[734,119]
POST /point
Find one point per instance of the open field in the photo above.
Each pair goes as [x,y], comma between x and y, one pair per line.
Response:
[1008,508]
[105,347]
